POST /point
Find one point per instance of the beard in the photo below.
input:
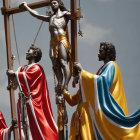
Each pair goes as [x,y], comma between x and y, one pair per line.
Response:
[101,57]
[29,57]
[54,9]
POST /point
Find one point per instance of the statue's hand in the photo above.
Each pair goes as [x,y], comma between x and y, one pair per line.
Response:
[59,99]
[10,73]
[13,124]
[23,5]
[77,66]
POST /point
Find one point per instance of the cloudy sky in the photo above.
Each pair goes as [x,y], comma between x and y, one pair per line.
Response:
[115,21]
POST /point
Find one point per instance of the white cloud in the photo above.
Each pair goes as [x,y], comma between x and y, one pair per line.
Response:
[93,34]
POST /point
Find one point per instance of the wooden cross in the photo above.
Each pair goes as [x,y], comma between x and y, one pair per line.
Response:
[7,11]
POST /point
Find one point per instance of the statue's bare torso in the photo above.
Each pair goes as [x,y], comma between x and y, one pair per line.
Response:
[57,24]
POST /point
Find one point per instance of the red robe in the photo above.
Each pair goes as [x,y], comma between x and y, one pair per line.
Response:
[3,128]
[33,84]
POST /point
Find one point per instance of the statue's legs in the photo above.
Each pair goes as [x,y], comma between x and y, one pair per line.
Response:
[63,59]
[61,69]
[57,68]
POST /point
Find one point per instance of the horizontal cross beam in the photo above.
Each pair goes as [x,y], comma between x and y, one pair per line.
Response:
[19,10]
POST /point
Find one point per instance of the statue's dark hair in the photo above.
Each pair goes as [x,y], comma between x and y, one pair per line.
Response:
[61,5]
[38,52]
[110,50]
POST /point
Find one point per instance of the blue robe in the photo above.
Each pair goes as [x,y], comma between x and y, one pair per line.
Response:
[107,105]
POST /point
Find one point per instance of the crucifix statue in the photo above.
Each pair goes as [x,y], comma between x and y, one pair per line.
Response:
[60,52]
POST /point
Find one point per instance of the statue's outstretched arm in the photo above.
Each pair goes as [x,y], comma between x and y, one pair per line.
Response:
[35,13]
[72,100]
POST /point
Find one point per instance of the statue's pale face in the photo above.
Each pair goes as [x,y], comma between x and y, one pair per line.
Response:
[54,5]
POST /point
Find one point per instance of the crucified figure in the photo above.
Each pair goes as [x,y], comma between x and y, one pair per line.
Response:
[60,54]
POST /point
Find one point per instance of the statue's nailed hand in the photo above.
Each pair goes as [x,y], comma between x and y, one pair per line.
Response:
[23,5]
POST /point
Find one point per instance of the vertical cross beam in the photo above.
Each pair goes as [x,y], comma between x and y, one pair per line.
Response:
[74,31]
[7,11]
[9,63]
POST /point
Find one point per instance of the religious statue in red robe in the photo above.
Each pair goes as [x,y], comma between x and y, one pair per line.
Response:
[34,108]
